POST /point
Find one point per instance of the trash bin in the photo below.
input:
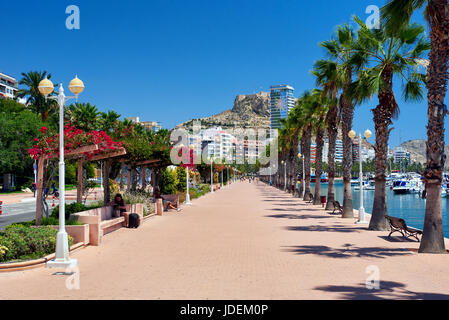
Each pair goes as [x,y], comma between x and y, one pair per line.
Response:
[323,200]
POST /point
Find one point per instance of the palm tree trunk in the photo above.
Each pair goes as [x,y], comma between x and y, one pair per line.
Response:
[318,165]
[295,165]
[332,132]
[301,174]
[347,114]
[307,143]
[383,114]
[433,237]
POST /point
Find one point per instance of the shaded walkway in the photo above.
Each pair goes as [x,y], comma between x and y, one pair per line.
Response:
[250,241]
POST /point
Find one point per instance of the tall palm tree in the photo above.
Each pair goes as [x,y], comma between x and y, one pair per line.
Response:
[341,50]
[380,56]
[397,13]
[304,105]
[109,121]
[84,116]
[327,77]
[35,99]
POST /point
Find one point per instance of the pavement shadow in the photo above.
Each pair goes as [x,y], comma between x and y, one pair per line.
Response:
[297,216]
[332,228]
[388,290]
[397,239]
[349,251]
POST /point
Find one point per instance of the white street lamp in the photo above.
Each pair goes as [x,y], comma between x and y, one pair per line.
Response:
[188,202]
[76,86]
[211,175]
[284,164]
[352,134]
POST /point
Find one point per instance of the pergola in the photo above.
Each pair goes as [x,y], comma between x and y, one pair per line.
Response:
[82,155]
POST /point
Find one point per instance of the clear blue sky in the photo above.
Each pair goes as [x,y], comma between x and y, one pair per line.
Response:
[173,60]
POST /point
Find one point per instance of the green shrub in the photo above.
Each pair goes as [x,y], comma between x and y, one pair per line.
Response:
[28,242]
[74,207]
[167,182]
[181,184]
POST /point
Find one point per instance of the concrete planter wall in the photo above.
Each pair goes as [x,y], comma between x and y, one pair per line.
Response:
[95,217]
[78,233]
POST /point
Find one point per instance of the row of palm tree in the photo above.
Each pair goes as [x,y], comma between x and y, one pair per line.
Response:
[358,66]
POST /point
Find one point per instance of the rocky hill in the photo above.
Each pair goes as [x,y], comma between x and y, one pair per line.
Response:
[417,149]
[249,111]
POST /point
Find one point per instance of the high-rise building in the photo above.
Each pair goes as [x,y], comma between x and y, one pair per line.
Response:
[8,86]
[282,101]
[339,151]
[400,154]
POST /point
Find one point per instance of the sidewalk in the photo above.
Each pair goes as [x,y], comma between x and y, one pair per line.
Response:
[249,241]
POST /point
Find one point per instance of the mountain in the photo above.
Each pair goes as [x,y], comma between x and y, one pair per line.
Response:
[417,149]
[249,111]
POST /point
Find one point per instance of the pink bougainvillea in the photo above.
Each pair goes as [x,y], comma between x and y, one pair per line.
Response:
[74,138]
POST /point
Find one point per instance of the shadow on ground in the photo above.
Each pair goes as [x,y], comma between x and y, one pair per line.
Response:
[349,251]
[297,216]
[332,228]
[388,290]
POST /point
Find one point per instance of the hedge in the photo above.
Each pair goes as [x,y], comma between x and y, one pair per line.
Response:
[27,243]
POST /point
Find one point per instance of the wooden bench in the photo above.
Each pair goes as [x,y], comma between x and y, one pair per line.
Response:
[337,206]
[399,225]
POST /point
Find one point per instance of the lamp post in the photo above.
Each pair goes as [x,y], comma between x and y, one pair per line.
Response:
[284,164]
[188,202]
[211,175]
[76,86]
[352,134]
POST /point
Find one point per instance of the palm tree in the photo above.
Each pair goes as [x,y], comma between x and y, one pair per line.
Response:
[341,50]
[327,74]
[380,56]
[35,99]
[397,13]
[304,104]
[109,121]
[84,116]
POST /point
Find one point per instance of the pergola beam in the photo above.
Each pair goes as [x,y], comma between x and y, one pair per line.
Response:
[76,152]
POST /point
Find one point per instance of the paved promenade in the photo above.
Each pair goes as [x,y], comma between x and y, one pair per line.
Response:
[250,241]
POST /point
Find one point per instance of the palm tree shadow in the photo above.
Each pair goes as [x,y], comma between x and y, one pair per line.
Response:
[331,228]
[297,216]
[349,251]
[388,290]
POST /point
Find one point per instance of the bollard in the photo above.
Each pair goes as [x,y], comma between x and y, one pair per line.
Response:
[323,200]
[159,207]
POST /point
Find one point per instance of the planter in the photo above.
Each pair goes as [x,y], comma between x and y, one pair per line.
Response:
[78,233]
[26,265]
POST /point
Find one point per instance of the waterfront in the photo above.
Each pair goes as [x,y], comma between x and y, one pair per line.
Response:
[409,207]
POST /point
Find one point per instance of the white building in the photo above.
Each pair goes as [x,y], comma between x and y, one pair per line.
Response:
[400,154]
[8,86]
[150,125]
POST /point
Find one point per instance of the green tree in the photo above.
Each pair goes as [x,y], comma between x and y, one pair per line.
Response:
[84,116]
[167,182]
[396,14]
[380,56]
[17,131]
[35,99]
